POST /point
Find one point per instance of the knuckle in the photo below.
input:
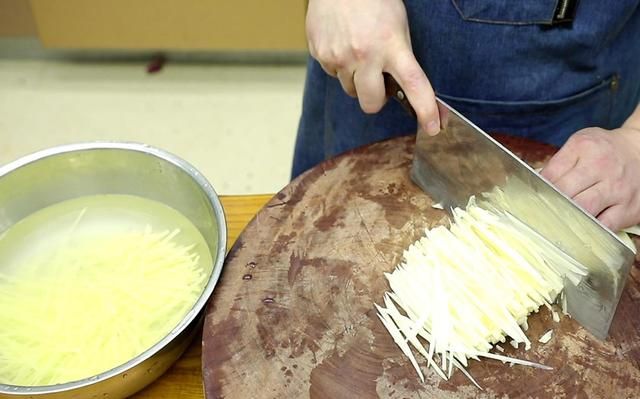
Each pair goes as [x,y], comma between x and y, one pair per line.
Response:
[386,34]
[412,77]
[337,58]
[590,142]
[360,52]
[407,68]
[584,136]
[322,55]
[329,56]
[579,140]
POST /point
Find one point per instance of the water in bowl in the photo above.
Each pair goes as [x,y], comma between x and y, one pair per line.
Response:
[88,284]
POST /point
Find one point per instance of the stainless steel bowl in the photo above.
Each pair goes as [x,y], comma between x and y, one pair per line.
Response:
[57,174]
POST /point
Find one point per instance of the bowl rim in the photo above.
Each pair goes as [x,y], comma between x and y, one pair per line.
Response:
[218,264]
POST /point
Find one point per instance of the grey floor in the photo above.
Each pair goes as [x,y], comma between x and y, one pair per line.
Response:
[234,121]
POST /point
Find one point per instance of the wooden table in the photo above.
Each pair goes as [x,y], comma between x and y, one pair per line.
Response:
[184,379]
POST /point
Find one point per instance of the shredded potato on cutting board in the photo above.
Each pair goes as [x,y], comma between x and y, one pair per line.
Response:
[90,283]
[461,290]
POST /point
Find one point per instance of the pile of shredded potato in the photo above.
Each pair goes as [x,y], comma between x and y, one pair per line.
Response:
[460,290]
[93,304]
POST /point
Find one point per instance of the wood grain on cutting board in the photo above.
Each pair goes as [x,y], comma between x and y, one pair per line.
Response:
[293,316]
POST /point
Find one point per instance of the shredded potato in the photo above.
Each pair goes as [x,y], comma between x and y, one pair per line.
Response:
[546,337]
[93,301]
[462,289]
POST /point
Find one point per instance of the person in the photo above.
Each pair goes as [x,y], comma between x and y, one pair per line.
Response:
[562,72]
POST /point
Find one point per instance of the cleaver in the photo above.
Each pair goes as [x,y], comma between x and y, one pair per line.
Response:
[464,161]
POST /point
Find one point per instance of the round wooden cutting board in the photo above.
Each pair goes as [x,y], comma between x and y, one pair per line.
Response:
[293,314]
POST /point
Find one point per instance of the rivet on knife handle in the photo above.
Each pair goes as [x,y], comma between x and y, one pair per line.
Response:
[394,90]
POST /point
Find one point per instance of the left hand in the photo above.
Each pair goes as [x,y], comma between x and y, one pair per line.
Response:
[600,170]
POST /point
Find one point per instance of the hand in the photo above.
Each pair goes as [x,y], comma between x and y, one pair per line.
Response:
[357,40]
[599,169]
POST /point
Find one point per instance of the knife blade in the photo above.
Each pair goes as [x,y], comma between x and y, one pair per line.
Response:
[464,161]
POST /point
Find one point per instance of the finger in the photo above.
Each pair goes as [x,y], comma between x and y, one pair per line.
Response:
[595,199]
[346,81]
[443,112]
[576,180]
[615,217]
[370,87]
[329,69]
[410,76]
[561,163]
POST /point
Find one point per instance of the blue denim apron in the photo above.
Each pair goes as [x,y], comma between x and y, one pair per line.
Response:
[501,63]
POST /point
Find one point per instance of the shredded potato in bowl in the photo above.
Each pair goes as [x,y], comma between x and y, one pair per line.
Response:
[90,283]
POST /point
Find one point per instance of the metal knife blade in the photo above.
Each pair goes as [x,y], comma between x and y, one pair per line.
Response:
[462,160]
